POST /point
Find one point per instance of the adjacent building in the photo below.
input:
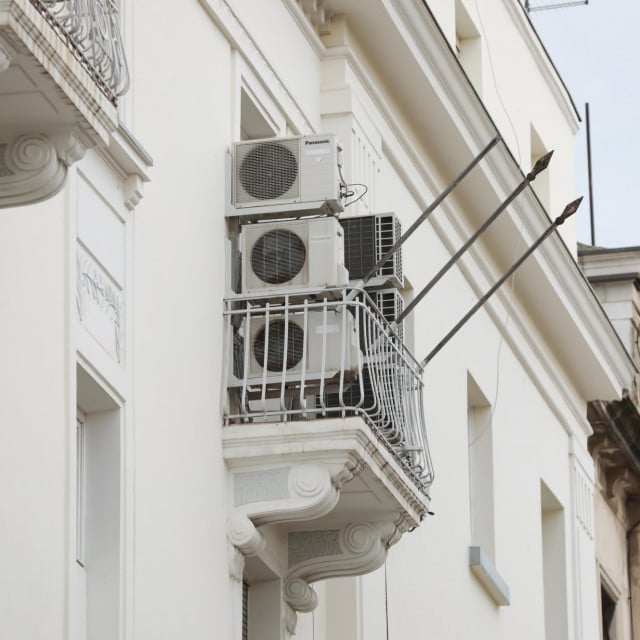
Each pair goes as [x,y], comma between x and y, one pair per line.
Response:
[188,452]
[615,447]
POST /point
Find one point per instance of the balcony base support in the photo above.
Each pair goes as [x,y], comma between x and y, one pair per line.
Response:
[312,500]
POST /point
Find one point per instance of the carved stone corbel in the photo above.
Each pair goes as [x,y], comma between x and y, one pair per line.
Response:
[33,166]
[244,540]
[352,550]
[284,494]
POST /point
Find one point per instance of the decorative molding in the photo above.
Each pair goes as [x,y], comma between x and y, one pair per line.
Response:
[28,28]
[226,19]
[236,563]
[309,493]
[583,498]
[352,550]
[100,304]
[243,535]
[132,191]
[7,53]
[289,620]
[299,595]
[344,447]
[318,14]
[260,486]
[30,170]
[304,545]
[70,146]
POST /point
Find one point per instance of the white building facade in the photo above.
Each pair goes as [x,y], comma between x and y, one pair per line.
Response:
[141,498]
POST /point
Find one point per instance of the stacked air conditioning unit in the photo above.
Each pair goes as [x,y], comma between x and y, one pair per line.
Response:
[278,176]
[288,257]
[366,240]
[299,348]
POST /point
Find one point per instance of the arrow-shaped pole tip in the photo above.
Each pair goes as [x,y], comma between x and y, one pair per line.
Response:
[541,164]
[569,210]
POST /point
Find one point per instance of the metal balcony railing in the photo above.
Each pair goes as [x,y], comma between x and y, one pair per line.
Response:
[91,29]
[323,356]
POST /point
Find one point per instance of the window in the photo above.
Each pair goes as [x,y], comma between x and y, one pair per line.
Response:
[468,46]
[480,434]
[97,512]
[80,488]
[553,565]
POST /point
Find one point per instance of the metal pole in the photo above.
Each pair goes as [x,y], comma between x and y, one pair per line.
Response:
[591,214]
[539,166]
[426,213]
[569,210]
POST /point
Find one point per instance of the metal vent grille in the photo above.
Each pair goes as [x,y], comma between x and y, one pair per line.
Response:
[390,304]
[278,256]
[366,240]
[267,170]
[273,338]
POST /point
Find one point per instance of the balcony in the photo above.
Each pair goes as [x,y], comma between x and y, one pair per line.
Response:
[325,437]
[62,69]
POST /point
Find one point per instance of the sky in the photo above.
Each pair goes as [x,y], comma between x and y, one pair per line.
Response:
[596,51]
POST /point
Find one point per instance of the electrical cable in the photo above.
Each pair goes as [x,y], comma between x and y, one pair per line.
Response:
[362,195]
[386,600]
[494,405]
[495,82]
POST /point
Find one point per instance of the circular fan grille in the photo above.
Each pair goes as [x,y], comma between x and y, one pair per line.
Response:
[275,346]
[268,171]
[278,256]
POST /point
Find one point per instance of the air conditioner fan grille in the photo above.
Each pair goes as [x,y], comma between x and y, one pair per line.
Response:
[278,256]
[268,170]
[275,345]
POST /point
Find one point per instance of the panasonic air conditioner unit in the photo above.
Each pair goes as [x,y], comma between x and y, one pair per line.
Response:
[390,304]
[292,255]
[277,176]
[366,240]
[286,348]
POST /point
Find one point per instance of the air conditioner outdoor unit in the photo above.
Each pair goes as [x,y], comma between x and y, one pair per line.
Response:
[366,240]
[276,176]
[284,348]
[292,255]
[390,304]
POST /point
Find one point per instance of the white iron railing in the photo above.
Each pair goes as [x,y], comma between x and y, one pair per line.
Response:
[91,29]
[325,356]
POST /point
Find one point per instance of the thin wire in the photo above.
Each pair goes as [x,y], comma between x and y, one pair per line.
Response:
[494,405]
[362,195]
[495,82]
[386,599]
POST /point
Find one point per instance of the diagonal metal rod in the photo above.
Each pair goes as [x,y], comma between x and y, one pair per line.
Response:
[569,210]
[425,214]
[539,166]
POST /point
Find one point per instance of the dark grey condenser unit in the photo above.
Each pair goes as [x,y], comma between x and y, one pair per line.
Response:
[366,239]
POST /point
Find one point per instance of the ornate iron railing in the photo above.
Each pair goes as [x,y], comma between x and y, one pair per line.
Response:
[91,29]
[324,356]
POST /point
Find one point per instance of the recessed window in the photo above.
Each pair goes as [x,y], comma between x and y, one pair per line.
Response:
[554,565]
[469,46]
[480,443]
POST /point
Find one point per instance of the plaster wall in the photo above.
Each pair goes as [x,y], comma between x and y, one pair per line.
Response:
[34,413]
[170,259]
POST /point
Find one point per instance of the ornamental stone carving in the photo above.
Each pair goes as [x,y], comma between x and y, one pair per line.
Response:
[301,492]
[33,166]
